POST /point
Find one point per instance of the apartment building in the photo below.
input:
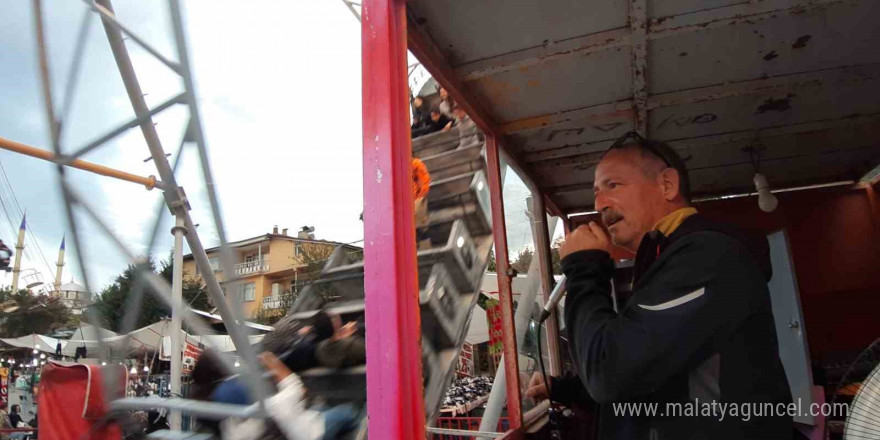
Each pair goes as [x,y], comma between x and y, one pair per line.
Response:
[272,268]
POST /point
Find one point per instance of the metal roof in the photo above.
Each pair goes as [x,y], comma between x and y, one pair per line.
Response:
[561,79]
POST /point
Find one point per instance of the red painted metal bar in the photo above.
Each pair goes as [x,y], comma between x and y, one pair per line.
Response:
[395,404]
[499,230]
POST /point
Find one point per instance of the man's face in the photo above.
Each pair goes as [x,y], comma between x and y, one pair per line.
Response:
[630,200]
[417,102]
[435,116]
[443,93]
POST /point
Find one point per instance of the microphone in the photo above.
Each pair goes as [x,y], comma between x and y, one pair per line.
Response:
[556,295]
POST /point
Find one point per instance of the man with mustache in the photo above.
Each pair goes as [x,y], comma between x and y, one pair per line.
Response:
[698,328]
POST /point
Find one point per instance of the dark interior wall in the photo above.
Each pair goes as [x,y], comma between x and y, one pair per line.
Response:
[834,237]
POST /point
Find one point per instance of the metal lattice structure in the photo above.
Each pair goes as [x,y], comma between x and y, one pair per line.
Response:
[174,201]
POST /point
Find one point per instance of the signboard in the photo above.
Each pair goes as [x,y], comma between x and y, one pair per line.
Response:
[4,387]
[493,321]
[191,353]
[190,356]
[465,367]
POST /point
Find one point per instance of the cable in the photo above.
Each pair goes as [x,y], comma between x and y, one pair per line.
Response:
[29,230]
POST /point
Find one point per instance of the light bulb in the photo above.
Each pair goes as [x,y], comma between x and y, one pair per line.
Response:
[103,364]
[146,369]
[36,351]
[42,356]
[460,242]
[133,370]
[237,364]
[766,200]
[43,363]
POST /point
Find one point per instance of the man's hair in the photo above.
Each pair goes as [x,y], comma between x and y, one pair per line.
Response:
[659,151]
[322,325]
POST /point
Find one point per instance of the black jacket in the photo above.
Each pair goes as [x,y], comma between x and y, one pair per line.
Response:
[697,329]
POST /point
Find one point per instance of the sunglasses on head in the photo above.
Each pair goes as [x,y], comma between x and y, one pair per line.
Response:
[638,139]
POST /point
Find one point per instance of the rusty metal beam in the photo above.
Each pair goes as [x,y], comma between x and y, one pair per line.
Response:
[638,23]
[660,27]
[623,110]
[514,60]
[589,152]
[597,114]
[742,13]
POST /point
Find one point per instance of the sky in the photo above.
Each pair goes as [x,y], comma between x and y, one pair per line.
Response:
[279,89]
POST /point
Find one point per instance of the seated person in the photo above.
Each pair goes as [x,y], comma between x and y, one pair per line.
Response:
[289,418]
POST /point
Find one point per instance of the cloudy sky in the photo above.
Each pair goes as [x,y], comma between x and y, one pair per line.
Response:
[279,87]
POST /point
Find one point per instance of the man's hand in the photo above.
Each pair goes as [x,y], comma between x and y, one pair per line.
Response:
[537,390]
[584,238]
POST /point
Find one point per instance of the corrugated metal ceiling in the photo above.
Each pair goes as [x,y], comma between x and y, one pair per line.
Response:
[563,78]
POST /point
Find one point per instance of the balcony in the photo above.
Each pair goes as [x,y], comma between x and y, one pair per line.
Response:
[251,267]
[277,301]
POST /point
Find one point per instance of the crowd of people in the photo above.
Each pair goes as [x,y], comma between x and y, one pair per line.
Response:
[294,347]
[443,116]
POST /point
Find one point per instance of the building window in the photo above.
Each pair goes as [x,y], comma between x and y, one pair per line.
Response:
[215,263]
[248,291]
[297,249]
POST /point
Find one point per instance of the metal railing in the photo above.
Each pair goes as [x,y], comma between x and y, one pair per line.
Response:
[252,267]
[464,428]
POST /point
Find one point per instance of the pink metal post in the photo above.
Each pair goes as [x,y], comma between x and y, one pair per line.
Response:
[508,332]
[395,404]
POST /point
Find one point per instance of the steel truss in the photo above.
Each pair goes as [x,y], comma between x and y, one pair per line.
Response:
[174,200]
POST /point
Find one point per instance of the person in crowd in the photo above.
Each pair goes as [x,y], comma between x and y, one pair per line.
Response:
[421,117]
[15,415]
[446,103]
[4,424]
[698,328]
[439,122]
[468,133]
[289,418]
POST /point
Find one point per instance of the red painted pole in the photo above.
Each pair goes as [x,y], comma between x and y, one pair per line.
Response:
[499,230]
[395,402]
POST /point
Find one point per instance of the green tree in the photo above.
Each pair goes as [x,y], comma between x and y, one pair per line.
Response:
[522,261]
[554,257]
[116,298]
[30,313]
[492,267]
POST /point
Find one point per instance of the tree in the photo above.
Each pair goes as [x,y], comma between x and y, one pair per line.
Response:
[554,257]
[35,313]
[523,260]
[116,298]
[492,267]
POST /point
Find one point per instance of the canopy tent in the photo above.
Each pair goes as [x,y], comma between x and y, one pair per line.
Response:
[89,332]
[34,341]
[153,337]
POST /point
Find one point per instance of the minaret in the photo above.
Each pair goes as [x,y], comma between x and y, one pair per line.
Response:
[60,267]
[19,249]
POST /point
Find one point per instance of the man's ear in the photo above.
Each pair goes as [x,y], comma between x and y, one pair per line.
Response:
[669,181]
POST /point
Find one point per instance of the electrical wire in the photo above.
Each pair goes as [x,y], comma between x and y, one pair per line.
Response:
[21,212]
